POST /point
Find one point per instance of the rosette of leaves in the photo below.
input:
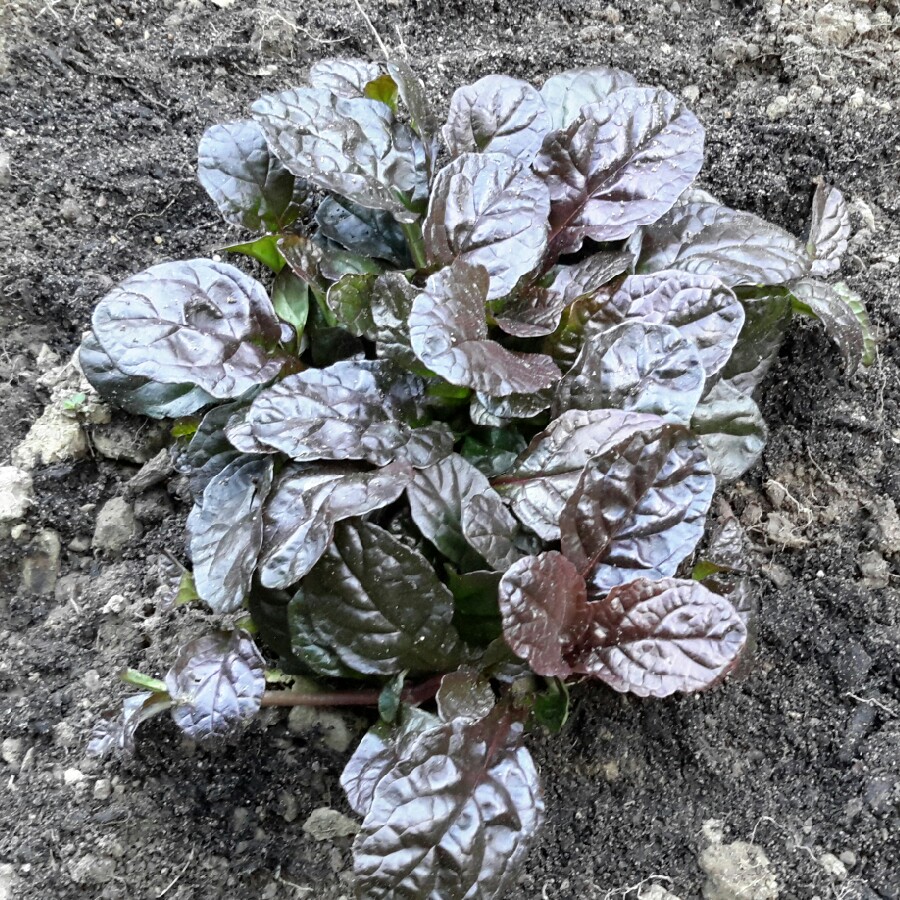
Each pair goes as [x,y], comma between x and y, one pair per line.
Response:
[461,430]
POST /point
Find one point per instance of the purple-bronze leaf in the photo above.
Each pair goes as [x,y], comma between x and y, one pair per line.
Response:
[639,508]
[636,367]
[829,232]
[464,694]
[248,184]
[653,638]
[568,92]
[491,529]
[543,603]
[700,306]
[343,77]
[621,164]
[304,505]
[369,232]
[737,247]
[198,322]
[449,334]
[537,310]
[486,210]
[225,533]
[547,471]
[497,114]
[732,430]
[216,684]
[841,323]
[455,817]
[379,605]
[412,93]
[116,735]
[352,146]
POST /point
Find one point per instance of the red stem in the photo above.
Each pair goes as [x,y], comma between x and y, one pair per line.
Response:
[413,695]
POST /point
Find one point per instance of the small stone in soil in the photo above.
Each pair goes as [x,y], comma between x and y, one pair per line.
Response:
[41,566]
[116,526]
[736,871]
[326,824]
[15,494]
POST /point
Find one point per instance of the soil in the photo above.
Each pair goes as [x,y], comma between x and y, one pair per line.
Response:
[102,103]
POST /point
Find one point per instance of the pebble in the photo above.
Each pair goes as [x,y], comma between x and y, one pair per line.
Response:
[778,108]
[116,526]
[73,776]
[848,858]
[11,752]
[16,494]
[7,881]
[5,168]
[333,729]
[40,568]
[115,605]
[102,789]
[125,443]
[54,437]
[834,25]
[833,866]
[326,824]
[91,869]
[737,871]
[656,892]
[875,570]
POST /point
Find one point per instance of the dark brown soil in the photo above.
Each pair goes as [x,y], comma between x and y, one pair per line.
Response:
[101,107]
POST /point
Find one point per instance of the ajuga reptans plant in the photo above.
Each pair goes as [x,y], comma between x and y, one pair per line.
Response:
[457,449]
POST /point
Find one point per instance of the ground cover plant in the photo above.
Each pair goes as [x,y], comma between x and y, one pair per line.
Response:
[461,453]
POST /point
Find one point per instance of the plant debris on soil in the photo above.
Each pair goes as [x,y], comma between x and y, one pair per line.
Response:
[784,782]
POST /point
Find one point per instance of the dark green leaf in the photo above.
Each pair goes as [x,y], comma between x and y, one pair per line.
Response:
[263,249]
[551,706]
[350,301]
[384,89]
[290,299]
[367,232]
[389,698]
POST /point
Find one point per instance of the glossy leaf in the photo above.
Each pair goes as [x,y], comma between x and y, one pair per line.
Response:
[543,602]
[263,249]
[290,299]
[349,145]
[343,77]
[307,645]
[829,233]
[378,751]
[492,530]
[116,736]
[225,533]
[495,453]
[384,89]
[551,706]
[736,247]
[568,92]
[830,307]
[379,604]
[639,507]
[250,186]
[392,300]
[497,114]
[216,684]
[368,232]
[344,411]
[476,616]
[350,301]
[857,307]
[448,333]
[766,321]
[732,430]
[487,211]
[454,817]
[537,310]
[303,507]
[636,367]
[438,497]
[547,472]
[622,163]
[702,309]
[206,323]
[516,406]
[137,394]
[464,694]
[653,638]
[412,93]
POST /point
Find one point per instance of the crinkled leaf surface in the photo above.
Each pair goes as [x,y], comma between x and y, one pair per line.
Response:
[379,604]
[343,77]
[309,647]
[639,507]
[514,406]
[455,817]
[653,638]
[344,411]
[496,452]
[497,114]
[637,367]
[833,311]
[304,505]
[489,212]
[829,232]
[349,145]
[368,232]
[216,684]
[621,164]
[568,92]
[378,751]
[135,393]
[700,306]
[225,533]
[392,300]
[449,334]
[732,430]
[537,310]
[476,617]
[464,694]
[250,186]
[491,529]
[438,497]
[350,302]
[196,322]
[547,472]
[737,247]
[116,736]
[412,93]
[766,319]
[543,602]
